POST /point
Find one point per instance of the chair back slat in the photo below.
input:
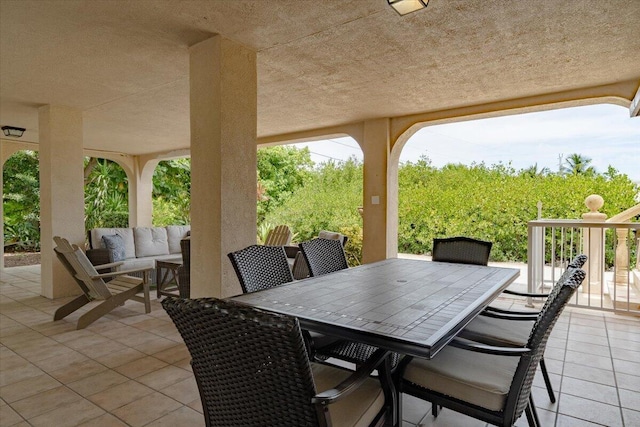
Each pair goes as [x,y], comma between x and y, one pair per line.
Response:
[82,269]
[261,267]
[323,256]
[462,250]
[67,265]
[279,236]
[250,365]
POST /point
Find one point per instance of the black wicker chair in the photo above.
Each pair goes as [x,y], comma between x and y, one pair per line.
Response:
[252,369]
[462,250]
[492,384]
[512,328]
[261,267]
[323,256]
[184,271]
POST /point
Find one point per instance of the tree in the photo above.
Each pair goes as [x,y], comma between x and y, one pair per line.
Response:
[577,164]
[21,198]
[281,171]
[533,171]
[172,192]
[106,192]
[328,201]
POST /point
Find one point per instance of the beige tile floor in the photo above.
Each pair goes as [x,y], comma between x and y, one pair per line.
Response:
[132,369]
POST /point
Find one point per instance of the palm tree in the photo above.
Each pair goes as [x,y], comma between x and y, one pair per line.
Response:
[577,164]
[533,171]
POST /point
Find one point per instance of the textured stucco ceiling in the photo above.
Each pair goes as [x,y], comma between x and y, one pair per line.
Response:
[320,63]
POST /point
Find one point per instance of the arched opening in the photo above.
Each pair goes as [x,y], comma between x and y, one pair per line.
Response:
[21,208]
[483,178]
[313,186]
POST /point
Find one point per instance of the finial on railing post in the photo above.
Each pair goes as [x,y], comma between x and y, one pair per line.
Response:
[593,203]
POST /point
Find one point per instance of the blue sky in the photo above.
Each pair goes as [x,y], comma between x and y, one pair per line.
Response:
[605,133]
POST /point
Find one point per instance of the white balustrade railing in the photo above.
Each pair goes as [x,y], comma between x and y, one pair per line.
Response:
[613,280]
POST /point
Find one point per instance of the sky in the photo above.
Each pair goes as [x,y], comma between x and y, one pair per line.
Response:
[604,133]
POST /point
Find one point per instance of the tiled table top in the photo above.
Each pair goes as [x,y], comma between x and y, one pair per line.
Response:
[410,306]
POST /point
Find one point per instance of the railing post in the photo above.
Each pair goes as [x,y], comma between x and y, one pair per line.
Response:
[593,244]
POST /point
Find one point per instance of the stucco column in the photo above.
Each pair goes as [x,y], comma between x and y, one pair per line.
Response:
[380,240]
[61,193]
[223,101]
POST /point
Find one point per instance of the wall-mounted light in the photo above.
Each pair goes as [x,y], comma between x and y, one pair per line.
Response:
[407,6]
[13,131]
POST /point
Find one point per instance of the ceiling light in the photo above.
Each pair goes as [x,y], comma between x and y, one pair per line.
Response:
[407,6]
[13,131]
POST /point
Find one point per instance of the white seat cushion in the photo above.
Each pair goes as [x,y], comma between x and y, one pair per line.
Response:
[499,332]
[357,409]
[175,233]
[151,241]
[478,378]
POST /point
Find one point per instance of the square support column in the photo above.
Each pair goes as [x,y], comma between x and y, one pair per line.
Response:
[61,193]
[380,203]
[223,100]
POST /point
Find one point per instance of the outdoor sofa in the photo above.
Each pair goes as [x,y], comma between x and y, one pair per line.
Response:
[136,247]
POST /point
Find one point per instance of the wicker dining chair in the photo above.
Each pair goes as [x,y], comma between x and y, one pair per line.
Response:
[252,369]
[261,267]
[184,271]
[463,250]
[323,256]
[503,327]
[492,384]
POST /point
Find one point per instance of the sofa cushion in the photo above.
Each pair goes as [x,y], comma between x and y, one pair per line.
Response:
[150,241]
[175,233]
[125,233]
[115,244]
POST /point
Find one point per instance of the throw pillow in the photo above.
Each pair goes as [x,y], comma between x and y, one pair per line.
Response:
[115,243]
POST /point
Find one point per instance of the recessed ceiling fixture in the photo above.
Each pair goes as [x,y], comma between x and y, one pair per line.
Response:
[13,131]
[407,6]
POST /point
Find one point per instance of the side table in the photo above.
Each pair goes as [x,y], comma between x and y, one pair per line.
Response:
[167,276]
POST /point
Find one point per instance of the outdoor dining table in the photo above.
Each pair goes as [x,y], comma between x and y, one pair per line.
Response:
[412,307]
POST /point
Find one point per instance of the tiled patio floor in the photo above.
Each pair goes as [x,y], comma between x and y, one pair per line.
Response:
[131,368]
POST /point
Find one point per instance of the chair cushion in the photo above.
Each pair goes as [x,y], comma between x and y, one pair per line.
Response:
[357,409]
[151,241]
[499,332]
[331,235]
[175,233]
[477,378]
[115,244]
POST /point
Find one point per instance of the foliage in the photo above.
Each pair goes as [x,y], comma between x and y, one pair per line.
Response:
[172,192]
[328,201]
[106,196]
[487,202]
[494,203]
[21,198]
[281,171]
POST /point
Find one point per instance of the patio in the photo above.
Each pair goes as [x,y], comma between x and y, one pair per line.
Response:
[131,368]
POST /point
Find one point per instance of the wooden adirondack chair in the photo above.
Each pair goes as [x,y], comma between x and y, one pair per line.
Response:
[279,236]
[113,294]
